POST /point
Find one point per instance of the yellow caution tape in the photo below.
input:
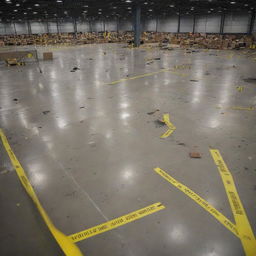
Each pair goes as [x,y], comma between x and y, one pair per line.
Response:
[199,200]
[145,75]
[242,223]
[139,76]
[171,127]
[109,225]
[66,244]
[240,88]
[243,108]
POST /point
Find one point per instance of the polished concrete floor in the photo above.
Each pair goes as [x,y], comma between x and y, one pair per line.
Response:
[91,157]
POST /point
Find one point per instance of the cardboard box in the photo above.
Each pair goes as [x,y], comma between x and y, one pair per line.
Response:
[48,55]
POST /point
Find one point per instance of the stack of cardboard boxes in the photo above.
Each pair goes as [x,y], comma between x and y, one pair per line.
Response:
[206,41]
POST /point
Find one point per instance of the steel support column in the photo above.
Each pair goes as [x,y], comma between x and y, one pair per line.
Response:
[222,22]
[137,24]
[251,23]
[194,24]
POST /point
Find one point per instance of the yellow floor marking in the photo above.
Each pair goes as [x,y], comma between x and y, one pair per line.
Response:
[171,127]
[66,244]
[240,88]
[242,223]
[199,200]
[146,75]
[243,108]
[109,225]
[139,76]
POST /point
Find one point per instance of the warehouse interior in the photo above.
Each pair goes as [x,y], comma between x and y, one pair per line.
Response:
[127,127]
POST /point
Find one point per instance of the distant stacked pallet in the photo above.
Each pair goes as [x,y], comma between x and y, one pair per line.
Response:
[208,41]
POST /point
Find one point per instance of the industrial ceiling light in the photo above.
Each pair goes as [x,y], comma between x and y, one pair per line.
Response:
[17,4]
[145,2]
[171,5]
[233,2]
[36,4]
[150,10]
[15,10]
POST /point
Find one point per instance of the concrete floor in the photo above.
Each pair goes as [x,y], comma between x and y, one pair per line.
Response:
[91,158]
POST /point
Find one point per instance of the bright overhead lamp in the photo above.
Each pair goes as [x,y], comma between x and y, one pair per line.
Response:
[232,2]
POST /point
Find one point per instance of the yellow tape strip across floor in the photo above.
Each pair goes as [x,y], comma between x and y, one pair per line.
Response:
[139,76]
[66,244]
[243,108]
[145,75]
[242,223]
[116,222]
[199,200]
[171,127]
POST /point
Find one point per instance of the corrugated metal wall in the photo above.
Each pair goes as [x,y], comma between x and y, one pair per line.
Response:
[234,23]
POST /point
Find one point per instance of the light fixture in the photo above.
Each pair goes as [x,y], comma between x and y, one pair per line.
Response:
[36,4]
[232,2]
[150,10]
[25,13]
[171,5]
[15,10]
[145,2]
[245,4]
[17,4]
[128,1]
[34,12]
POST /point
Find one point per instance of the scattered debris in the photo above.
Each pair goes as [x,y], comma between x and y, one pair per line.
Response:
[4,172]
[153,112]
[157,58]
[90,58]
[159,123]
[192,80]
[207,73]
[195,155]
[82,107]
[39,127]
[15,99]
[181,144]
[46,112]
[250,80]
[150,62]
[75,69]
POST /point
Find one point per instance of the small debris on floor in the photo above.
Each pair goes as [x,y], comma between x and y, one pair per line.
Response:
[181,144]
[240,88]
[153,112]
[207,73]
[4,172]
[150,62]
[250,80]
[75,69]
[159,123]
[195,155]
[15,99]
[157,58]
[82,107]
[46,112]
[39,127]
[192,80]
